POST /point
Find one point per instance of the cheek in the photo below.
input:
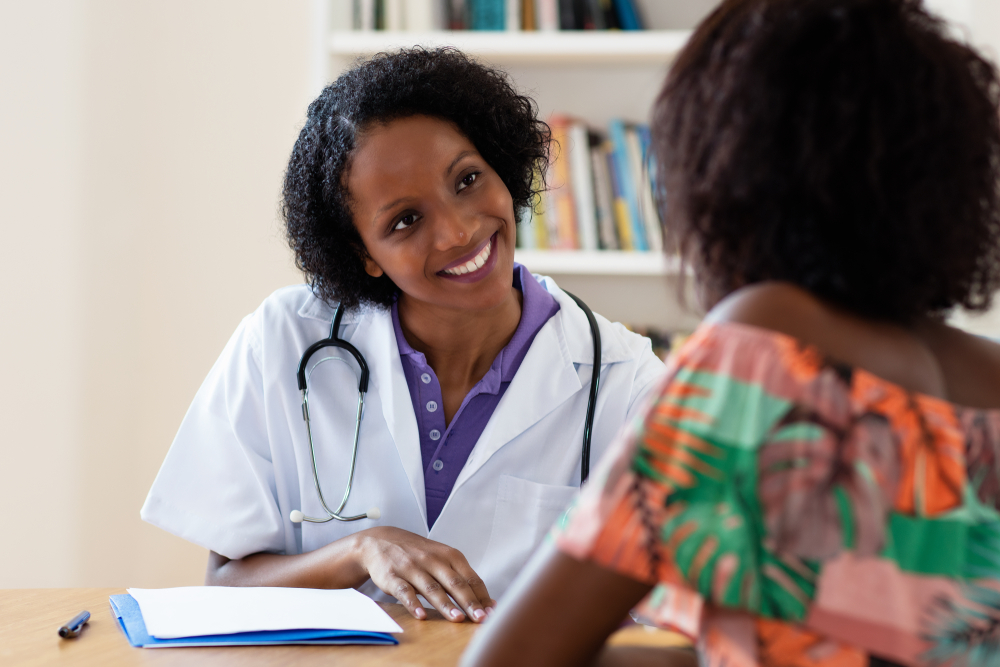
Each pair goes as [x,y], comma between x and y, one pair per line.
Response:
[501,203]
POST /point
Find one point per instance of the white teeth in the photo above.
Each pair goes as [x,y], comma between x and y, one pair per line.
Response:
[473,264]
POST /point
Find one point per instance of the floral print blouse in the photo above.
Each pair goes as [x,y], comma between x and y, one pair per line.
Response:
[793,511]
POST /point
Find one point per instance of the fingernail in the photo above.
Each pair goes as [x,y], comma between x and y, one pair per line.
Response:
[420,613]
[478,614]
[456,614]
[490,610]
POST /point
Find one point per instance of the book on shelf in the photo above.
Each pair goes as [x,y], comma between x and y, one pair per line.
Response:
[598,191]
[516,15]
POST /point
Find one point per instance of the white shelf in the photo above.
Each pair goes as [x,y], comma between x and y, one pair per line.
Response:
[598,262]
[566,47]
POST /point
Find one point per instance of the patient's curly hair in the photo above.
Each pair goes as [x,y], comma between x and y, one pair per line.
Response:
[444,83]
[847,146]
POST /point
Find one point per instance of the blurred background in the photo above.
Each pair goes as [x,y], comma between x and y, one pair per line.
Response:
[142,146]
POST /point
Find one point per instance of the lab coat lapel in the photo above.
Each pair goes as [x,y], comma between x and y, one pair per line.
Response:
[546,379]
[378,342]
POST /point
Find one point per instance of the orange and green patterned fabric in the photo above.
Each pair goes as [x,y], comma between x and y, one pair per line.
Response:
[792,511]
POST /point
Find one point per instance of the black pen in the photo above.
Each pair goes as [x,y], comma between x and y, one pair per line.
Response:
[73,628]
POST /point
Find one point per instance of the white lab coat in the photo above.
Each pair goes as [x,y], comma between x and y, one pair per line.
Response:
[240,462]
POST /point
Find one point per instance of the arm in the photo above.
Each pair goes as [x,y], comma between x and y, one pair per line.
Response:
[559,612]
[399,562]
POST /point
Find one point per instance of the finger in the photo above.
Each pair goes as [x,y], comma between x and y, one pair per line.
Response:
[407,596]
[435,593]
[467,587]
[458,587]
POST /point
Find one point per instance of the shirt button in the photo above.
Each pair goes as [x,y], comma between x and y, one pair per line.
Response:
[435,434]
[432,406]
[425,378]
[438,465]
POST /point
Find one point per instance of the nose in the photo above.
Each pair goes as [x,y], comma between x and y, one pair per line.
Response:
[453,227]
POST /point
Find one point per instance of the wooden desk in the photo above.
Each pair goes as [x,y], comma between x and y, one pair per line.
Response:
[29,619]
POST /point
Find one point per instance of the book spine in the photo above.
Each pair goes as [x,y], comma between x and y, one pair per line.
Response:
[419,15]
[567,15]
[581,14]
[604,198]
[456,14]
[512,19]
[596,14]
[627,181]
[609,14]
[628,18]
[528,15]
[582,179]
[560,192]
[547,15]
[650,212]
[394,15]
[364,15]
[619,207]
[643,208]
[487,14]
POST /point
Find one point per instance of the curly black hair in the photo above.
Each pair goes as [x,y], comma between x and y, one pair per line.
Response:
[443,83]
[847,146]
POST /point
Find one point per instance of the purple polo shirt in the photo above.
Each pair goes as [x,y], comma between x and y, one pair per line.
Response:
[445,449]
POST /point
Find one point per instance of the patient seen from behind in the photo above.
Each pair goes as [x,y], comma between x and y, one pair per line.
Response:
[816,481]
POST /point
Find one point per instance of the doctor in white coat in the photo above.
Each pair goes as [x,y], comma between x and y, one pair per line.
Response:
[400,202]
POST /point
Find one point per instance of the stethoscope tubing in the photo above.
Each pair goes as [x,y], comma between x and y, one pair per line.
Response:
[334,340]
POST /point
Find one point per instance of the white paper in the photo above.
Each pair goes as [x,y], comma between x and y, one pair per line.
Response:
[221,610]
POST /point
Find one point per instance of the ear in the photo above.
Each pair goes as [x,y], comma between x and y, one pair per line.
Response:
[372,268]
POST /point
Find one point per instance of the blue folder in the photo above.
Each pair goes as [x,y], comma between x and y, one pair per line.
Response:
[129,616]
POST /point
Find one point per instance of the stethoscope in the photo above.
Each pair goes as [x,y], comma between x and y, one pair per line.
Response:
[334,340]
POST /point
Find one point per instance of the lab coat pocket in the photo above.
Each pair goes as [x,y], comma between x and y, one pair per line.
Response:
[525,511]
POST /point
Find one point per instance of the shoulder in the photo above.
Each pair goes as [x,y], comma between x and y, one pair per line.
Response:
[776,306]
[294,301]
[969,363]
[293,317]
[887,350]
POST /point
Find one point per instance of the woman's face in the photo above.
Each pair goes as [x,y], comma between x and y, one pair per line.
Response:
[433,215]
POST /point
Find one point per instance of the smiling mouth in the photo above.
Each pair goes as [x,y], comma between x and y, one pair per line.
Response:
[473,264]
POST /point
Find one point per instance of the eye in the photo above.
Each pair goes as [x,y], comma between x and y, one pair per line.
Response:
[405,222]
[468,180]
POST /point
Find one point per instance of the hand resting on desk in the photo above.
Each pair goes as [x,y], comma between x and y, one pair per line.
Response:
[400,563]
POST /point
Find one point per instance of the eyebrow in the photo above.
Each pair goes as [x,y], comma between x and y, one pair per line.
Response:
[458,158]
[390,205]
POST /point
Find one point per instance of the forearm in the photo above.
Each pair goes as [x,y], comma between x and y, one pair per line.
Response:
[558,613]
[334,566]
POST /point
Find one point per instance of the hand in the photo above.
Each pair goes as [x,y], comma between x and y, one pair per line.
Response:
[403,564]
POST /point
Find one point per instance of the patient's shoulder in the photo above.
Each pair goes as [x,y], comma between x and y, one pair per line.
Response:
[882,348]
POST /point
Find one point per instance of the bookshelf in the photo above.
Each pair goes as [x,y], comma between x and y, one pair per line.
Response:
[649,47]
[598,262]
[597,76]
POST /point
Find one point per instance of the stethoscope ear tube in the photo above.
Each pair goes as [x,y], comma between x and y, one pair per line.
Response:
[334,340]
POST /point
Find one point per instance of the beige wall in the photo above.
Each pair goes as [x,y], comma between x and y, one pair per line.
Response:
[142,144]
[141,151]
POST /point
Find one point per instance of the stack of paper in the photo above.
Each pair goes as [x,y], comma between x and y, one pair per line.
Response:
[223,616]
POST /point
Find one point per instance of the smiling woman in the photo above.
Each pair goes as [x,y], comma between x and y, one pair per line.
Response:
[401,202]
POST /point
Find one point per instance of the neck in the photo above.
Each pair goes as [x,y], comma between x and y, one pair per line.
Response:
[460,345]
